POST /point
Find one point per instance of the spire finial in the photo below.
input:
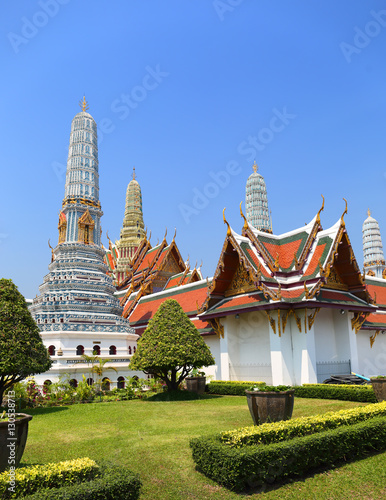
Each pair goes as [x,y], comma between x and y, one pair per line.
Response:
[255,167]
[229,232]
[83,104]
[134,176]
[368,212]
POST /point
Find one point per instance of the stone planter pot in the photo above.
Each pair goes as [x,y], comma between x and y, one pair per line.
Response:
[379,388]
[196,384]
[270,406]
[13,437]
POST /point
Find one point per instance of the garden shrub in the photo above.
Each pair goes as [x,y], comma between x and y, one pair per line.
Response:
[250,466]
[225,388]
[35,477]
[287,429]
[115,483]
[345,392]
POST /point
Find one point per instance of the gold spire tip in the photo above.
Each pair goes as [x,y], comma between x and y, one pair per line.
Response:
[83,104]
[255,167]
[368,212]
[134,176]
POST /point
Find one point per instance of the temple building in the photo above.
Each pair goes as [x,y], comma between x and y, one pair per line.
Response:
[77,312]
[288,309]
[285,309]
[132,232]
[256,202]
[373,257]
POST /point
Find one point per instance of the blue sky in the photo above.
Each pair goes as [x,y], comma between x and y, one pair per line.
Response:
[190,93]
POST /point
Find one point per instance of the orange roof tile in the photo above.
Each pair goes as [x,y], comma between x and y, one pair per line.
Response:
[187,298]
[377,291]
[313,265]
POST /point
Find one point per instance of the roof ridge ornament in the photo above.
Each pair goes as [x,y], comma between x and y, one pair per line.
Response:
[345,212]
[229,231]
[243,216]
[320,210]
[83,104]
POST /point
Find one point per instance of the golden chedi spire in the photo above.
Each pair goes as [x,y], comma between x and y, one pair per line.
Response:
[133,229]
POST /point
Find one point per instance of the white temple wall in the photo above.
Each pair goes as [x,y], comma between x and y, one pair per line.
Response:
[372,360]
[304,353]
[213,371]
[248,347]
[333,343]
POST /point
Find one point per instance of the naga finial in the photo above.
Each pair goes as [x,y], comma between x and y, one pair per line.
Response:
[345,211]
[243,216]
[229,232]
[83,104]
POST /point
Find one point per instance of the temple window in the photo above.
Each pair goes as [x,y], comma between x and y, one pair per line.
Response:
[112,350]
[105,384]
[90,381]
[96,350]
[51,350]
[129,349]
[121,383]
[79,350]
[74,383]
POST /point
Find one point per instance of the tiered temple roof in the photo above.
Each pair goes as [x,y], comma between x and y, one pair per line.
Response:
[154,269]
[298,273]
[305,268]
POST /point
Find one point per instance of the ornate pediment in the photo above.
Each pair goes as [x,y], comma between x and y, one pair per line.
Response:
[86,219]
[171,266]
[334,280]
[241,282]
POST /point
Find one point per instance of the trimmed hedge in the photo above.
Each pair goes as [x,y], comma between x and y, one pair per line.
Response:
[116,483]
[226,388]
[346,392]
[27,480]
[288,429]
[250,466]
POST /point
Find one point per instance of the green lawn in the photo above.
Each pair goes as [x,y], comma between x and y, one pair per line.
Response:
[152,438]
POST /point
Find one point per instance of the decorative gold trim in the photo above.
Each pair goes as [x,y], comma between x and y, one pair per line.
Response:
[298,320]
[243,216]
[345,212]
[83,104]
[217,327]
[285,318]
[271,321]
[229,232]
[358,320]
[320,210]
[312,317]
[373,337]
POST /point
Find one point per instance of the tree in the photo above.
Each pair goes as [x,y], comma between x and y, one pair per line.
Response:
[170,344]
[99,369]
[22,352]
